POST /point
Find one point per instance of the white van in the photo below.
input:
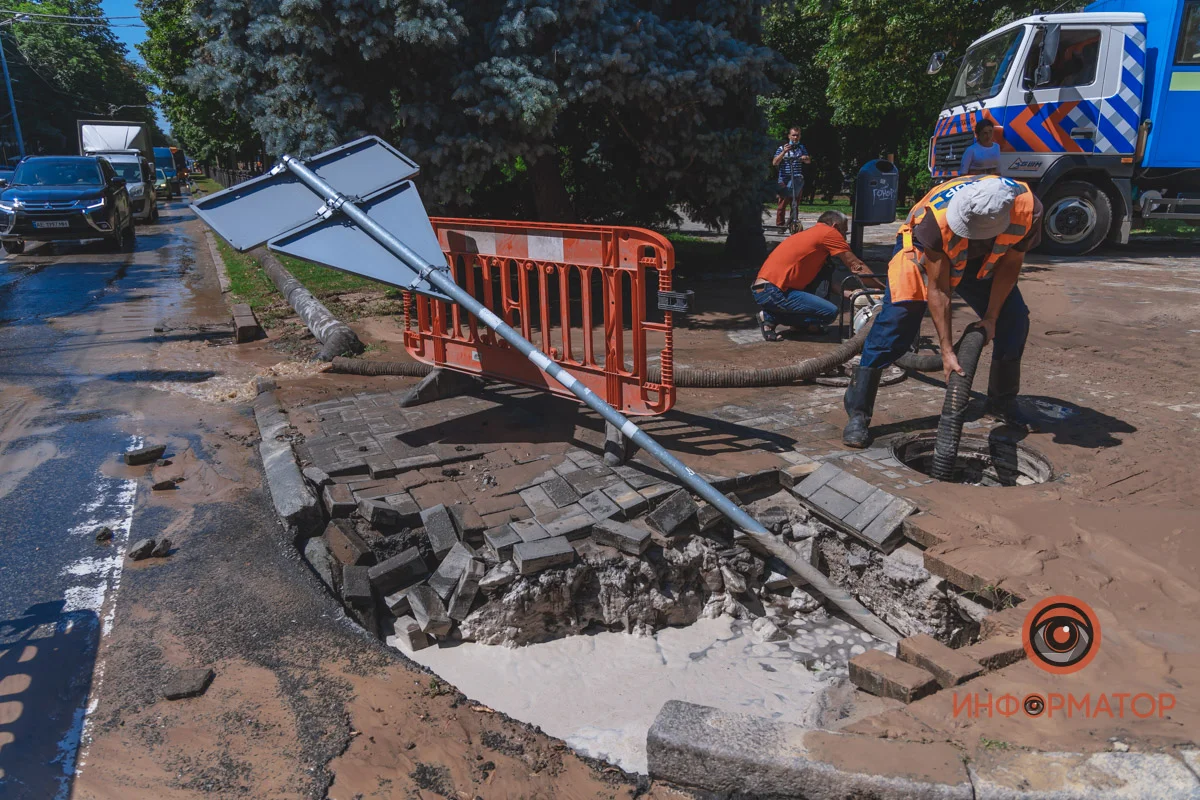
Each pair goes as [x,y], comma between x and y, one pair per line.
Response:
[139,180]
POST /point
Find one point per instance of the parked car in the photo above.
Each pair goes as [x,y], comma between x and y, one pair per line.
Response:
[162,184]
[135,169]
[5,176]
[65,198]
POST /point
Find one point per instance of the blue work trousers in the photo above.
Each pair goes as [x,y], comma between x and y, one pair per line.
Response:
[793,307]
[898,324]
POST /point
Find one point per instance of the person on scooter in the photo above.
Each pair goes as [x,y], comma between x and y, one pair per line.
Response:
[789,158]
[968,236]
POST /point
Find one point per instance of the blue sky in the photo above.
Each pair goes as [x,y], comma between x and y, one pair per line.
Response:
[130,36]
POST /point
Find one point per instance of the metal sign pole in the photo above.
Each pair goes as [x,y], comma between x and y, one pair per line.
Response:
[439,276]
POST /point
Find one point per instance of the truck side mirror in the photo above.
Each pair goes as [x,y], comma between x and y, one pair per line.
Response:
[1041,75]
[936,62]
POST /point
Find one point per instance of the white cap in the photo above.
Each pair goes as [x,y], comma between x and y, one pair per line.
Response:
[980,210]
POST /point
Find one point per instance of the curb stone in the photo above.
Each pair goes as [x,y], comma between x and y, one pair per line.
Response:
[740,755]
[218,262]
[294,502]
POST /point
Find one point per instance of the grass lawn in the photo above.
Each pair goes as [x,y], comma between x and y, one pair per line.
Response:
[1166,227]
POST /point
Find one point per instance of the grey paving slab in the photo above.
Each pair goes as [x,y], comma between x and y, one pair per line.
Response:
[832,502]
[855,488]
[624,537]
[886,526]
[533,557]
[501,540]
[559,491]
[572,526]
[869,509]
[815,481]
[628,499]
[538,500]
[440,528]
[600,505]
[528,530]
[445,578]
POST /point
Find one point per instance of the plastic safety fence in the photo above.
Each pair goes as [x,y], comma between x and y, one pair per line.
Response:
[580,293]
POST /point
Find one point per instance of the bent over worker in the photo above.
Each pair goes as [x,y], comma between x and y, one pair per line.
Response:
[969,236]
[786,282]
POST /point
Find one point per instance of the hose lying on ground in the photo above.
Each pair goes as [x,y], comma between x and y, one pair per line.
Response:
[954,408]
[921,362]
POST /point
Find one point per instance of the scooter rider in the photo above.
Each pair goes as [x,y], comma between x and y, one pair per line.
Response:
[968,235]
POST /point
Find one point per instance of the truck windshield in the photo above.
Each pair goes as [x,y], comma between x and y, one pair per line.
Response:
[132,173]
[985,68]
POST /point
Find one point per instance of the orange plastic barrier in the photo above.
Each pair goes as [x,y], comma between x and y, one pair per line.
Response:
[559,285]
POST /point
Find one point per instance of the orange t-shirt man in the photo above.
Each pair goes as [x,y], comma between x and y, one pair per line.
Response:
[798,259]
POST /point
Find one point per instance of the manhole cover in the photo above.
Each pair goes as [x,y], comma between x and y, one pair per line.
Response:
[981,461]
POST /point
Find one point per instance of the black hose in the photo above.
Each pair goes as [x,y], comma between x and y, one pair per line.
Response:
[920,362]
[954,408]
[716,378]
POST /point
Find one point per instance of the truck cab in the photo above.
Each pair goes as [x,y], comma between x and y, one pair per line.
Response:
[1092,109]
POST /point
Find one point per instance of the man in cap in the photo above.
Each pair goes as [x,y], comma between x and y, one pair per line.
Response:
[968,236]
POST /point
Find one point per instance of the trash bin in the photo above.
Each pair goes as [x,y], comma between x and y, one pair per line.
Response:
[875,193]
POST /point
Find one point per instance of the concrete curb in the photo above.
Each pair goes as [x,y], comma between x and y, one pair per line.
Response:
[218,262]
[294,502]
[738,755]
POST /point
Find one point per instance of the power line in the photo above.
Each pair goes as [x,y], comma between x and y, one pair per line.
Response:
[63,16]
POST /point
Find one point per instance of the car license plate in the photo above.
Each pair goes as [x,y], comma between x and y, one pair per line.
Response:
[52,223]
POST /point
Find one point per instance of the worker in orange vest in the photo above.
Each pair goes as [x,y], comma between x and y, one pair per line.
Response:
[968,236]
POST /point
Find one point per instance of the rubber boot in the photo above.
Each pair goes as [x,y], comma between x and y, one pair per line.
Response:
[860,405]
[1004,383]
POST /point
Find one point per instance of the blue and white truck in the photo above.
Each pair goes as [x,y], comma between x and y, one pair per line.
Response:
[1098,110]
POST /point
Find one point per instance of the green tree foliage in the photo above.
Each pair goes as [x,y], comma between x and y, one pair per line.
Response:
[62,73]
[560,109]
[206,127]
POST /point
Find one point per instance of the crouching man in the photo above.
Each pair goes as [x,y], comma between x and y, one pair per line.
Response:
[967,236]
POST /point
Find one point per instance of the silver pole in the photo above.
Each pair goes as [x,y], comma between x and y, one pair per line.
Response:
[439,276]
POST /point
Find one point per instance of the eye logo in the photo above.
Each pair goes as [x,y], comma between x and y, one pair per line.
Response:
[1061,635]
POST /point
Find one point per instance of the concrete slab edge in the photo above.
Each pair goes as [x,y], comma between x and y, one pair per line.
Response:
[739,755]
[218,262]
[295,503]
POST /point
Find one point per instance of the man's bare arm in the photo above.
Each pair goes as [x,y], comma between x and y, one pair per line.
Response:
[775,161]
[856,265]
[937,268]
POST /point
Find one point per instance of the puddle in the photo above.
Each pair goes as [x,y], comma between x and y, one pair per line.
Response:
[1052,410]
[981,461]
[600,693]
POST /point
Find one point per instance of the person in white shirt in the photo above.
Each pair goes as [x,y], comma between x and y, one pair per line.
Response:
[983,157]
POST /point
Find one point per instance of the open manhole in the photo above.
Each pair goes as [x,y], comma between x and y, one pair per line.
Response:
[981,461]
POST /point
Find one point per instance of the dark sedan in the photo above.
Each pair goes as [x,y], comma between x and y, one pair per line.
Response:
[65,198]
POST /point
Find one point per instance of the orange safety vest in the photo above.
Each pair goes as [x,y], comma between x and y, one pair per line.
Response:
[906,271]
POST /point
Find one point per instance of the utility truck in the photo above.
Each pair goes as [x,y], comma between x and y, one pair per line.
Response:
[1097,110]
[126,146]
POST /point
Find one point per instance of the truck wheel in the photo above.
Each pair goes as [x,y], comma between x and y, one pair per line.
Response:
[1076,217]
[15,248]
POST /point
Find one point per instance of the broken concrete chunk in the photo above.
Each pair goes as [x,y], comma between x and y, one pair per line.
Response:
[599,505]
[379,515]
[533,557]
[104,534]
[346,545]
[407,635]
[188,683]
[399,571]
[397,602]
[498,576]
[162,549]
[429,611]
[317,476]
[144,455]
[141,549]
[356,586]
[441,530]
[339,500]
[445,577]
[501,540]
[316,553]
[559,491]
[673,512]
[626,538]
[164,485]
[464,593]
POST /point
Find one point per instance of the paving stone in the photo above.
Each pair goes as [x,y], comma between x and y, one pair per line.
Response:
[501,540]
[441,530]
[886,527]
[792,475]
[187,683]
[444,493]
[429,611]
[995,653]
[356,586]
[416,462]
[591,478]
[445,578]
[533,557]
[757,481]
[635,477]
[658,492]
[498,576]
[853,487]
[397,602]
[885,676]
[560,492]
[869,509]
[502,518]
[599,505]
[538,500]
[346,466]
[624,537]
[950,667]
[339,500]
[566,467]
[316,553]
[406,508]
[399,572]
[628,499]
[708,516]
[380,466]
[316,476]
[464,593]
[144,455]
[378,489]
[583,459]
[815,481]
[346,545]
[407,635]
[529,530]
[832,502]
[673,512]
[469,523]
[571,526]
[379,515]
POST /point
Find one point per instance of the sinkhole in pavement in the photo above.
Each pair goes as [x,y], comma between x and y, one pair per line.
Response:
[982,461]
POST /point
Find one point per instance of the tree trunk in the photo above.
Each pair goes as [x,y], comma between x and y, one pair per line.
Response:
[550,197]
[746,243]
